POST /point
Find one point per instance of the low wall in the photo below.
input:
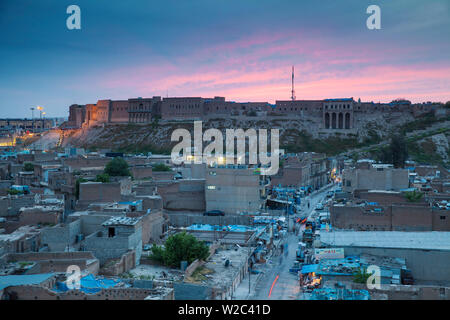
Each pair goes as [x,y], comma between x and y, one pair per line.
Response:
[41,293]
[425,265]
[186,220]
[125,264]
[406,292]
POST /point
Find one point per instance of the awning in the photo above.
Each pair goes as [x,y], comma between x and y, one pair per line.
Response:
[309,268]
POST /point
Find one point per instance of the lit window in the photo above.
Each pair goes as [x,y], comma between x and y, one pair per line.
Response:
[211,187]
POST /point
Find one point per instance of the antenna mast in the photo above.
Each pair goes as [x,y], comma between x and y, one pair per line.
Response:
[293,91]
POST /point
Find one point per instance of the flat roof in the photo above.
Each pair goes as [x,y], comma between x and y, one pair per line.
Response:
[22,280]
[437,240]
[121,221]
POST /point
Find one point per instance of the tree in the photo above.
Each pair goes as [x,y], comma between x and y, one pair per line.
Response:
[117,167]
[399,151]
[13,192]
[361,276]
[161,167]
[413,196]
[28,166]
[385,155]
[180,247]
[104,178]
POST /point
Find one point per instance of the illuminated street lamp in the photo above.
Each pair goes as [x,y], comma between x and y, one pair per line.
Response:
[40,110]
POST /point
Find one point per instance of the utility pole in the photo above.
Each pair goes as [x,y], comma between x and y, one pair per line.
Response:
[249,271]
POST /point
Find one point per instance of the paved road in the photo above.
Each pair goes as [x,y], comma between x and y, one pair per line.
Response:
[284,285]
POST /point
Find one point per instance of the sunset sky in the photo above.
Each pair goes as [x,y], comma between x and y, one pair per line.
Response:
[240,49]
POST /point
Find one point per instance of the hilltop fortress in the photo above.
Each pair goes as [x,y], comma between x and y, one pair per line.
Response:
[345,116]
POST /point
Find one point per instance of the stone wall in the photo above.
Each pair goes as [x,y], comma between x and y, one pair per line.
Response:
[42,293]
[125,264]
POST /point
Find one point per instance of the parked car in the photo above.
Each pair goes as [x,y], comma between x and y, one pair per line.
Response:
[319,206]
[214,213]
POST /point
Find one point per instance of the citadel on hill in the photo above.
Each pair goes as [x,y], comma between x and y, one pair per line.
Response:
[327,114]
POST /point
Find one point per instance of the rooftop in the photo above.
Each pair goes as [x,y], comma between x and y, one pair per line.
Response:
[23,280]
[434,240]
[222,273]
[121,221]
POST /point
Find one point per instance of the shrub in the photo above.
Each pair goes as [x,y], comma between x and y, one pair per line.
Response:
[180,247]
[117,167]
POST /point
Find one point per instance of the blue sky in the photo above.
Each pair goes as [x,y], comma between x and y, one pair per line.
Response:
[242,50]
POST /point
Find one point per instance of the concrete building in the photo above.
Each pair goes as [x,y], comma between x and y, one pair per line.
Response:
[118,236]
[234,188]
[394,217]
[371,176]
[43,262]
[24,239]
[427,254]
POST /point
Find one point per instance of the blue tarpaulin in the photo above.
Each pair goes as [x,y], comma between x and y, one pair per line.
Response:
[308,268]
[89,284]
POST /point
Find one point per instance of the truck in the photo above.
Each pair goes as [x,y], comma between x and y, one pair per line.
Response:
[300,252]
[308,236]
[310,224]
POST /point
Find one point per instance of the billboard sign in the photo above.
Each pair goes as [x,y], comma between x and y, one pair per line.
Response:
[329,253]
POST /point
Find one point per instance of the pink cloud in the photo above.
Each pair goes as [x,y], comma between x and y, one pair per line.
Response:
[258,68]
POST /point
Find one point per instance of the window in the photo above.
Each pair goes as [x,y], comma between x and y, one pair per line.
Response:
[212,173]
[442,217]
[211,187]
[111,232]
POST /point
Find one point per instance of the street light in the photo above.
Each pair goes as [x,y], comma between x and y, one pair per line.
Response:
[32,118]
[40,110]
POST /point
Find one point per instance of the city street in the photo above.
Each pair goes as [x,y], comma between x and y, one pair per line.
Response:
[278,283]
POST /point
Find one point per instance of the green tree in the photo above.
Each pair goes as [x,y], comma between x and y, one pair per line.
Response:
[399,151]
[13,192]
[361,275]
[104,178]
[384,155]
[161,167]
[28,166]
[117,167]
[413,196]
[180,247]
[157,253]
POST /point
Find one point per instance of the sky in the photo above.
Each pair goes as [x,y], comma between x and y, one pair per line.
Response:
[240,49]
